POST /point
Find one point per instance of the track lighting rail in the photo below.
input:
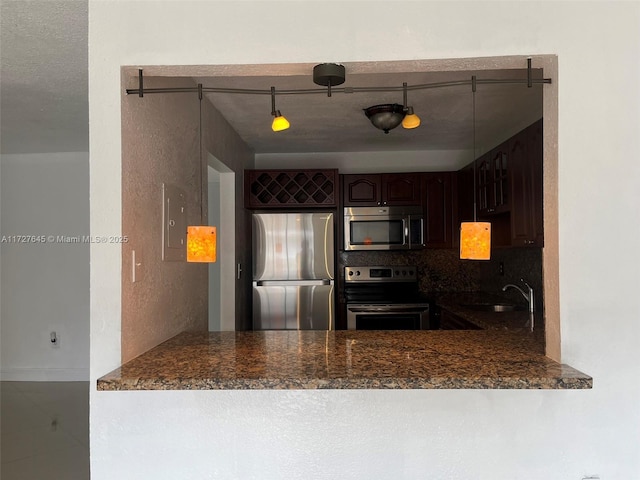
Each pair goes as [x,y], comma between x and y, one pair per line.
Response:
[141,91]
[383,116]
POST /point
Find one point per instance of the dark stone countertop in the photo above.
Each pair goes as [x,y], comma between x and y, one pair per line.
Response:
[517,320]
[477,359]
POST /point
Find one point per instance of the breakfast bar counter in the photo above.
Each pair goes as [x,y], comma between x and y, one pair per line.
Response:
[432,359]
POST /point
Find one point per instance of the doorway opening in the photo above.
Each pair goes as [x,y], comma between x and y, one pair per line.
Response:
[221,203]
[547,63]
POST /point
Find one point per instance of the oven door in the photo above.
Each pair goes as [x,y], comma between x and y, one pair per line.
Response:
[388,317]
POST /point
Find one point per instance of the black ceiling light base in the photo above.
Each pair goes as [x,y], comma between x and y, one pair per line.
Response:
[328,75]
[386,116]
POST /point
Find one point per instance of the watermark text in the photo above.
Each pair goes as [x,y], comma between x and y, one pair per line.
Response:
[63,239]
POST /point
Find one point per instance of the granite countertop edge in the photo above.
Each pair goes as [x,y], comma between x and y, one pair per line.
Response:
[342,360]
[358,384]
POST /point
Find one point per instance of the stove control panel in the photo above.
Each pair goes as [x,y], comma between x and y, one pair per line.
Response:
[381,274]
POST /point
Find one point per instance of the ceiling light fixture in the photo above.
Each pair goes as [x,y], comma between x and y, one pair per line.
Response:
[279,122]
[386,116]
[410,120]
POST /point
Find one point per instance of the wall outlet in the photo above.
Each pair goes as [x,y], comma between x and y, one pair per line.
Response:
[501,269]
[55,340]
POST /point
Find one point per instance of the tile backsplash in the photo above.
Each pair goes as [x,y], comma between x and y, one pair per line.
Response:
[443,271]
[438,270]
[518,263]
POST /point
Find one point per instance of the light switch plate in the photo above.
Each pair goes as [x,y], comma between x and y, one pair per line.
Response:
[136,263]
[174,224]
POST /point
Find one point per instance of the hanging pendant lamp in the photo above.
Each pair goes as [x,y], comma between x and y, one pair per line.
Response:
[201,239]
[475,237]
[475,241]
[201,244]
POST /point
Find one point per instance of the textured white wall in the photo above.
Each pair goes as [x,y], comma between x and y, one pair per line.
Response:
[160,144]
[45,286]
[367,162]
[412,434]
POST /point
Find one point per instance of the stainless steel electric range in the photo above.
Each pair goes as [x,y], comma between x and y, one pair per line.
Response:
[385,298]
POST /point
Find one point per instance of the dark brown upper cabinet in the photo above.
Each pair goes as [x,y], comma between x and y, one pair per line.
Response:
[290,188]
[492,176]
[535,147]
[527,224]
[437,206]
[508,190]
[385,189]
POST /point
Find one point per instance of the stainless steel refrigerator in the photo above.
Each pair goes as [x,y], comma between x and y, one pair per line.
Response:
[293,271]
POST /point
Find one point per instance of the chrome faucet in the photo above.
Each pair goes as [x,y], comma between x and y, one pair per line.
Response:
[527,296]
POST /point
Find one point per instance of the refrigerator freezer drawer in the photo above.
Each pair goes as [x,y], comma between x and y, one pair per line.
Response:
[297,307]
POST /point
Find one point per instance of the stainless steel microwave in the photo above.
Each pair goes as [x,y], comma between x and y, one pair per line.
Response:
[383,228]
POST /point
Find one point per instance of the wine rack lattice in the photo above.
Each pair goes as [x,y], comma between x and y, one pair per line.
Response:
[286,188]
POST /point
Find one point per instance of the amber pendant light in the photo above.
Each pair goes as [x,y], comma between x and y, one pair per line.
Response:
[201,239]
[475,237]
[201,244]
[475,241]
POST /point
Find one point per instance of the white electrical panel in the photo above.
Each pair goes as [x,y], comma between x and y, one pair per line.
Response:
[174,224]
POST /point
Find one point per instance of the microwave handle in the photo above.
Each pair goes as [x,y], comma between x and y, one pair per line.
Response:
[405,228]
[408,236]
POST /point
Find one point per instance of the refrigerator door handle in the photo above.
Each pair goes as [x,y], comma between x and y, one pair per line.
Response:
[292,283]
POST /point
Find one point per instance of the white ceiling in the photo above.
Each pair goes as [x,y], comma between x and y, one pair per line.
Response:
[44,97]
[338,124]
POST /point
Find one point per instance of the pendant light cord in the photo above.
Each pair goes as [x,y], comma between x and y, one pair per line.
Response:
[201,159]
[475,198]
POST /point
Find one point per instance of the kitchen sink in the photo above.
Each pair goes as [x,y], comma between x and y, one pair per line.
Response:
[494,307]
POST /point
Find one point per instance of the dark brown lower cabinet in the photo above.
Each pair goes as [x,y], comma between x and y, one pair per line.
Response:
[451,321]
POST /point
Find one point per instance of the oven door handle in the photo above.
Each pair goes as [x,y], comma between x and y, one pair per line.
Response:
[392,309]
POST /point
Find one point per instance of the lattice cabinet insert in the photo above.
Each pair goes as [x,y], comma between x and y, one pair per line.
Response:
[290,188]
